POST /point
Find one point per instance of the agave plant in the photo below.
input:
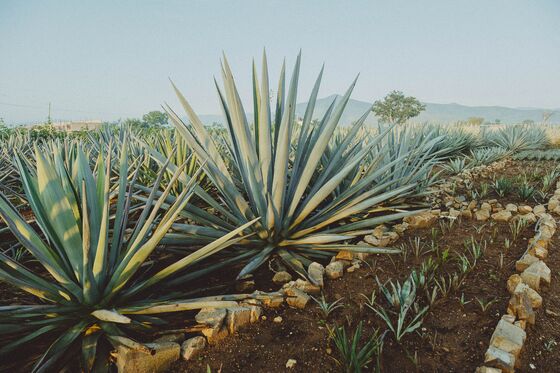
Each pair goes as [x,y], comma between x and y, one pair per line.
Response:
[517,138]
[93,288]
[280,170]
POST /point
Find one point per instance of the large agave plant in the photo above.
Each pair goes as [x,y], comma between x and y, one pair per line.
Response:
[90,284]
[282,170]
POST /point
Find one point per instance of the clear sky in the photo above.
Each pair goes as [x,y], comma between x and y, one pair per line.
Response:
[111,59]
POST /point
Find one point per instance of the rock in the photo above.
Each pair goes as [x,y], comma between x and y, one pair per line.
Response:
[271,301]
[472,205]
[508,337]
[215,334]
[525,262]
[499,359]
[538,210]
[159,359]
[334,270]
[511,207]
[553,204]
[492,201]
[534,297]
[467,214]
[503,215]
[521,324]
[454,213]
[422,220]
[211,316]
[316,271]
[379,230]
[486,206]
[277,319]
[512,282]
[535,273]
[345,255]
[303,285]
[192,346]
[385,240]
[524,209]
[240,316]
[171,337]
[482,215]
[539,251]
[529,218]
[520,305]
[508,318]
[281,277]
[291,363]
[214,320]
[297,298]
[400,228]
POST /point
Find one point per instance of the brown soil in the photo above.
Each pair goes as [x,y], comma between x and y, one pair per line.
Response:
[452,338]
[516,171]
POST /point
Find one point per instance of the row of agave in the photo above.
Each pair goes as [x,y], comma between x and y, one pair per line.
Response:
[271,186]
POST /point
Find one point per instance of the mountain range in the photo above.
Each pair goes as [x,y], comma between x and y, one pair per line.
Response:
[434,113]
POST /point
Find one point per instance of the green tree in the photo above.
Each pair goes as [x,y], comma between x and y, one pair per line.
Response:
[155,119]
[528,122]
[397,108]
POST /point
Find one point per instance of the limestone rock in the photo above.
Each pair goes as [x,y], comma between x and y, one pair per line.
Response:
[472,205]
[379,230]
[281,277]
[486,206]
[334,270]
[520,305]
[345,255]
[512,282]
[422,220]
[503,215]
[539,210]
[524,209]
[467,214]
[297,298]
[508,337]
[511,207]
[482,215]
[499,359]
[162,356]
[192,346]
[303,285]
[240,316]
[525,262]
[316,272]
[291,363]
[534,297]
[535,273]
[211,316]
[529,218]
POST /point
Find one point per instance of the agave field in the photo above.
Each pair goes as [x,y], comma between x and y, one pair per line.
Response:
[279,243]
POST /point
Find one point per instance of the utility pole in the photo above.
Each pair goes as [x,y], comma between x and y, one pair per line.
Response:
[49,121]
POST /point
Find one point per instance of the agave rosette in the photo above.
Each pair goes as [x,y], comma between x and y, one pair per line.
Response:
[92,288]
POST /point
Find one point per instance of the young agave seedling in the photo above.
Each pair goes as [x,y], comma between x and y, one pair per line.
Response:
[403,299]
[326,307]
[484,305]
[353,357]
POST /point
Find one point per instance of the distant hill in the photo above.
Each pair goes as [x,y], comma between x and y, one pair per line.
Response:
[434,113]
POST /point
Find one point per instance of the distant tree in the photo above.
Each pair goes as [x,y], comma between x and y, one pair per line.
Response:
[475,121]
[155,119]
[134,122]
[497,121]
[528,122]
[397,108]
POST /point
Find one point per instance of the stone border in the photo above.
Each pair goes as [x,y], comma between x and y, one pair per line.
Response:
[510,334]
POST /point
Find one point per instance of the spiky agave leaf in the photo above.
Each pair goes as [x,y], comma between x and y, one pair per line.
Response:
[291,174]
[91,252]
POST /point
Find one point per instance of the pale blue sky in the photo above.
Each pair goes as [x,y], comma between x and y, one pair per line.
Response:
[111,59]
